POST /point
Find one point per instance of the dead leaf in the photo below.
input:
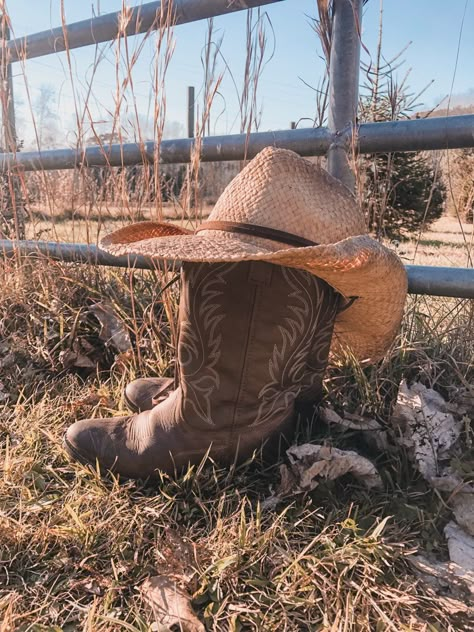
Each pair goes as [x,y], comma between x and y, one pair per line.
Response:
[463,509]
[312,463]
[349,421]
[452,584]
[175,556]
[288,481]
[428,430]
[170,604]
[113,330]
[461,548]
[69,359]
[371,430]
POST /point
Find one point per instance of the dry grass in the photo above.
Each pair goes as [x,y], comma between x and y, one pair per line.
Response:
[447,242]
[81,227]
[75,548]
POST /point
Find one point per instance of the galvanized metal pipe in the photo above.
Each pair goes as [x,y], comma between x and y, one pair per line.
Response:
[424,134]
[73,253]
[107,27]
[8,103]
[441,281]
[307,142]
[453,282]
[191,111]
[443,132]
[343,84]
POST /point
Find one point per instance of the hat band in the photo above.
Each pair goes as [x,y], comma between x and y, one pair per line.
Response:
[258,231]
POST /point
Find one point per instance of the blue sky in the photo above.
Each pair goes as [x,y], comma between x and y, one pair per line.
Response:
[433,27]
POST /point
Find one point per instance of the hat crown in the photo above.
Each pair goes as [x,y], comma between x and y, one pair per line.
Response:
[279,189]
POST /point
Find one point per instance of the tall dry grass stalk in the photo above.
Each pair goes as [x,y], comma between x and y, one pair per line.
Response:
[82,204]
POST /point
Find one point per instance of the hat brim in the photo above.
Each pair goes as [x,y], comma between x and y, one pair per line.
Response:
[356,267]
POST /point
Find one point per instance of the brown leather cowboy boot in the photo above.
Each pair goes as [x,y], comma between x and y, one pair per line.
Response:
[146,392]
[246,336]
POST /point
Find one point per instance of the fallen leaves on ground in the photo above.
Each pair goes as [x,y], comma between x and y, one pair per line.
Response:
[461,548]
[170,604]
[452,584]
[310,464]
[113,330]
[426,427]
[430,431]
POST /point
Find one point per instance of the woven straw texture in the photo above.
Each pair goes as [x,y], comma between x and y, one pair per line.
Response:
[279,189]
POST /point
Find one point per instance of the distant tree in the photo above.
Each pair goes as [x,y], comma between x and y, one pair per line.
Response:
[46,117]
[402,192]
[460,184]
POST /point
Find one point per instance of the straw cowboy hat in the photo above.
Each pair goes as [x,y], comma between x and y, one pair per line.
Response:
[288,211]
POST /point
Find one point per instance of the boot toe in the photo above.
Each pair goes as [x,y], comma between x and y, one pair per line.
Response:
[91,440]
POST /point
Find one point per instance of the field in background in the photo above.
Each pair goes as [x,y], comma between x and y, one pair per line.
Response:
[447,242]
[90,229]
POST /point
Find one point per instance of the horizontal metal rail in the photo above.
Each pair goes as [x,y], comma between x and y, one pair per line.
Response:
[107,27]
[74,253]
[436,281]
[439,132]
[436,133]
[441,281]
[307,142]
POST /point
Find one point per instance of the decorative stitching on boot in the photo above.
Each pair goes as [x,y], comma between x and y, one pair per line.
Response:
[254,268]
[200,338]
[296,338]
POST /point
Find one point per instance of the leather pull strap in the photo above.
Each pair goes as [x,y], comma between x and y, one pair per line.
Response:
[349,302]
[258,231]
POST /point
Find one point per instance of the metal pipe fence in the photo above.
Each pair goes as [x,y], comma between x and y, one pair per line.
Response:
[137,20]
[343,85]
[435,281]
[342,135]
[421,134]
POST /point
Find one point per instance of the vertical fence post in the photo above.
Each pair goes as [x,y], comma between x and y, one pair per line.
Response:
[12,212]
[343,83]
[191,111]
[8,104]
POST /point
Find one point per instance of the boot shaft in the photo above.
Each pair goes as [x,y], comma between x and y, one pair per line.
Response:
[253,336]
